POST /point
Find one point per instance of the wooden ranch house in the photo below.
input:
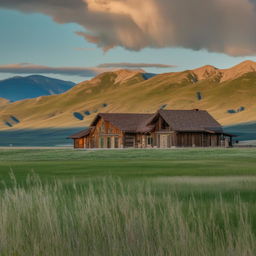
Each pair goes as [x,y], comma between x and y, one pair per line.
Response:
[164,129]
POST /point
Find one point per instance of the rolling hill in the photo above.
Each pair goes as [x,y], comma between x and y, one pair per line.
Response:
[20,88]
[3,102]
[228,94]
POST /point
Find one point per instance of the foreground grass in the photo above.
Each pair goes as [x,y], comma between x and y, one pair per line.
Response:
[109,217]
[131,202]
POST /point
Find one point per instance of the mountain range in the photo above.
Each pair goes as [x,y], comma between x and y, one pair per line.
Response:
[20,88]
[228,94]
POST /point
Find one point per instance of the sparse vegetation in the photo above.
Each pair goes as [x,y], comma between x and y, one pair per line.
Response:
[163,106]
[87,113]
[241,109]
[15,119]
[78,116]
[199,96]
[8,124]
[233,111]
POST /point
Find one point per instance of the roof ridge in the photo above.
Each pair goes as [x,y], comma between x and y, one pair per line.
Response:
[105,113]
[197,110]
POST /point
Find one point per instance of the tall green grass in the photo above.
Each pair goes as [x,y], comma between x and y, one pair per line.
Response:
[110,217]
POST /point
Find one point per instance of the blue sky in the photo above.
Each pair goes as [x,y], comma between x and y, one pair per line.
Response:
[37,39]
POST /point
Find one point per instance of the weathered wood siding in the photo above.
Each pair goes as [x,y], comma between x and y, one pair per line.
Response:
[105,135]
[79,143]
[165,137]
[198,140]
[144,141]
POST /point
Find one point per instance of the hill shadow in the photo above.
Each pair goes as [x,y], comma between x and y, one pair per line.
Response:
[244,131]
[37,137]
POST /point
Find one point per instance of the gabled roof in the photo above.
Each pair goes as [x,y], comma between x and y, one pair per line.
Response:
[81,134]
[126,122]
[179,121]
[190,120]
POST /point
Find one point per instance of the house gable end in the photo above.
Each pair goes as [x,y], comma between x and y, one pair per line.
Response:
[159,122]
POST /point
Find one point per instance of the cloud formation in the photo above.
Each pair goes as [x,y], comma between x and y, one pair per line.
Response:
[26,68]
[134,65]
[225,26]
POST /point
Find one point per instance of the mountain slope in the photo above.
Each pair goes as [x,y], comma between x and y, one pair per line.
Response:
[3,102]
[238,70]
[19,88]
[230,101]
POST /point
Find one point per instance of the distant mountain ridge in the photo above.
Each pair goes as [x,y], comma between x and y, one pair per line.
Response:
[227,94]
[20,88]
[223,75]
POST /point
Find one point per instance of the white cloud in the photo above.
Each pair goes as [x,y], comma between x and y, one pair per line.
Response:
[26,68]
[134,65]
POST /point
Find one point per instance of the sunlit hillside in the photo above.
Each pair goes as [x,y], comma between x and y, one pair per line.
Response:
[229,95]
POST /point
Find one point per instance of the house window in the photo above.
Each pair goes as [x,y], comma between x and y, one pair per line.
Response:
[150,140]
[109,142]
[116,142]
[101,142]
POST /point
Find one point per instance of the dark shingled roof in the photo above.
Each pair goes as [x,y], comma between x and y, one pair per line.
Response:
[126,122]
[190,120]
[81,134]
[179,120]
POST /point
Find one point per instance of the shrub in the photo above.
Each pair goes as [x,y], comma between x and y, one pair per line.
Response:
[199,96]
[87,112]
[231,111]
[104,105]
[78,115]
[241,109]
[15,119]
[8,124]
[163,106]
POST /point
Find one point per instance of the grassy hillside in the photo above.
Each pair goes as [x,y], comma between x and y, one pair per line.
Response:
[230,101]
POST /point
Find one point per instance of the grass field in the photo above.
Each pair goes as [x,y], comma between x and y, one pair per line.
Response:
[68,163]
[128,202]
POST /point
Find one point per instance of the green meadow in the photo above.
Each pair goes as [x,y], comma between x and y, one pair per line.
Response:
[128,202]
[138,164]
